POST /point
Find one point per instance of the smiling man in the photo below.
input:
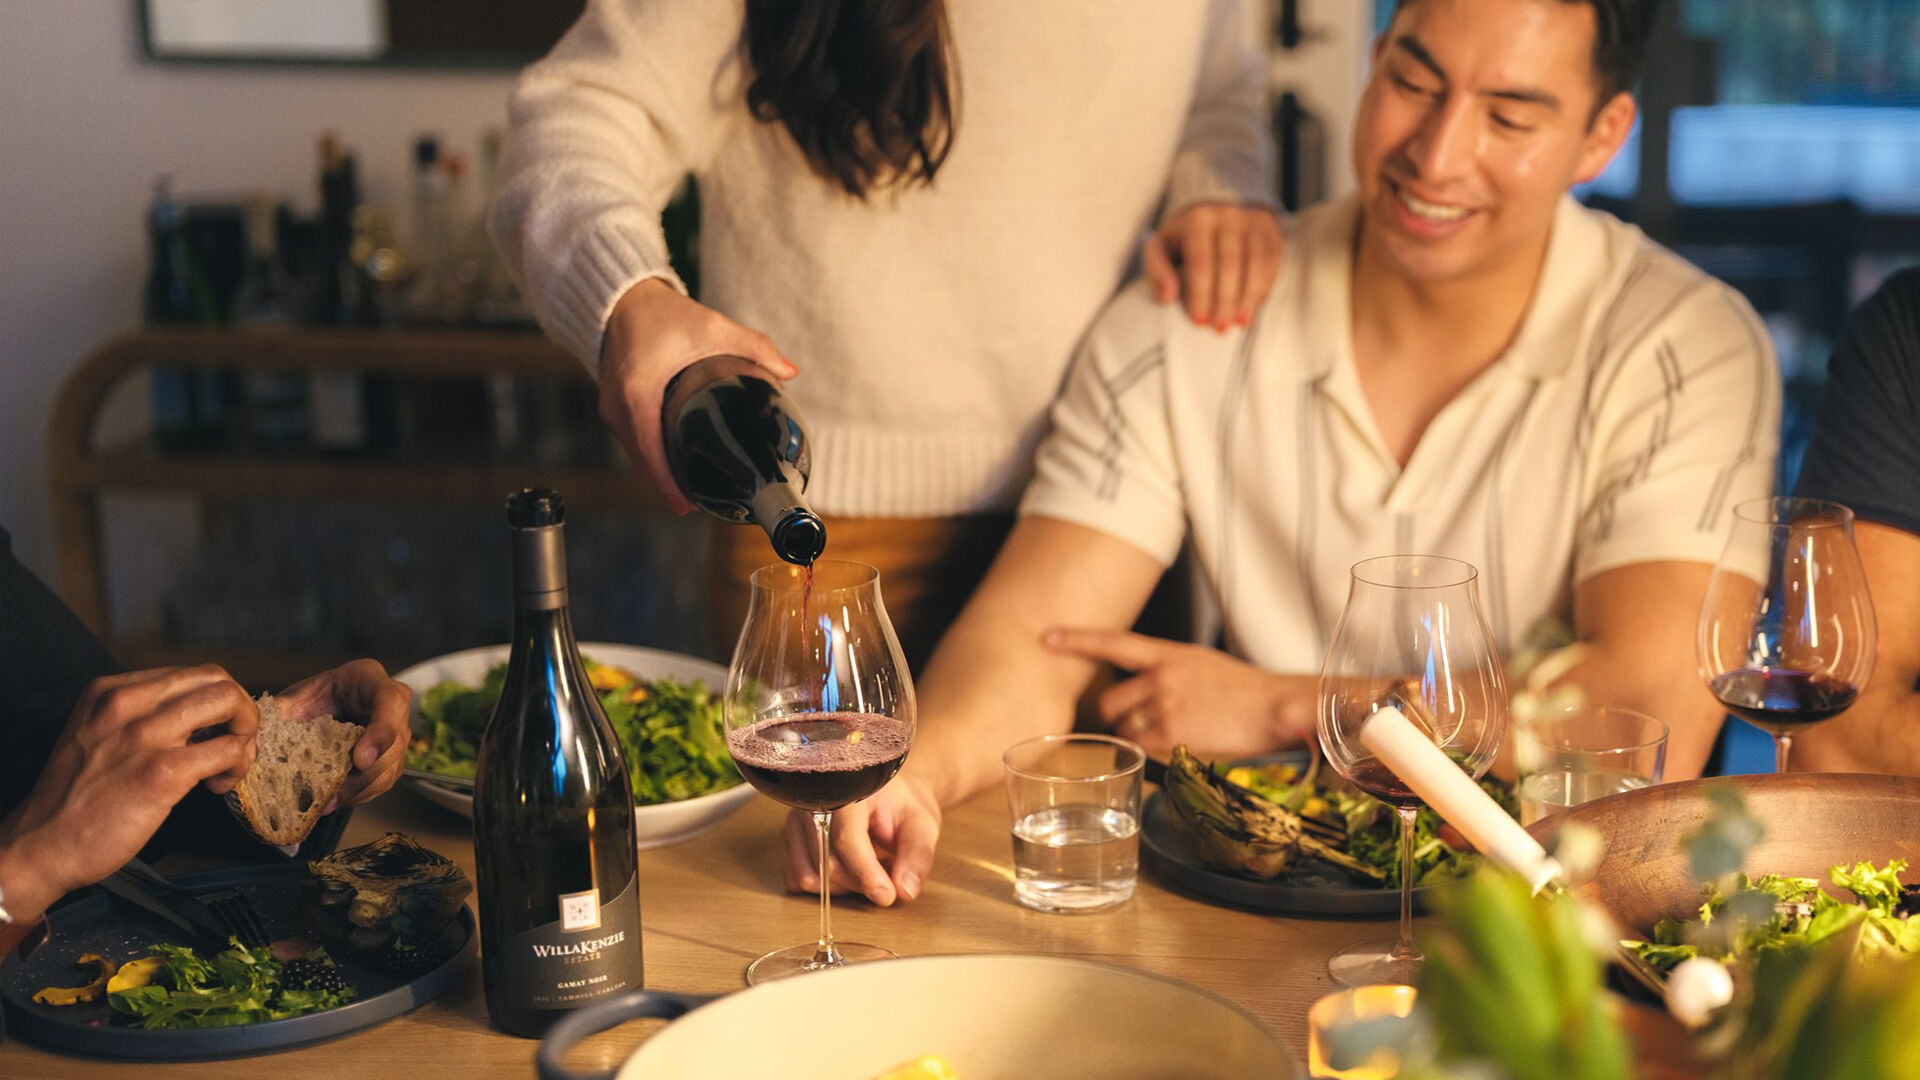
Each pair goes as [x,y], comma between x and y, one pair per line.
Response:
[1458,360]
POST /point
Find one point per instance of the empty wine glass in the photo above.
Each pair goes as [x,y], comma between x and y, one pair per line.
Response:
[1412,637]
[1787,631]
[819,712]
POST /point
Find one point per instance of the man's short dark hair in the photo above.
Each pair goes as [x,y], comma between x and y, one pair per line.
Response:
[1622,29]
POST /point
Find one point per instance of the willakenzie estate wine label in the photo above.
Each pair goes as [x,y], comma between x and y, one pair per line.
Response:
[555,967]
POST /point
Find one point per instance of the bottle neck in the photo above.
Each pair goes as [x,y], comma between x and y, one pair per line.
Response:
[539,570]
[796,532]
[542,629]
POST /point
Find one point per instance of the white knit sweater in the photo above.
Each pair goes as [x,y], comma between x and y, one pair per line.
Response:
[931,326]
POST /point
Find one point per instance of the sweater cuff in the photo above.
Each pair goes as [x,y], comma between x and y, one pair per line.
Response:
[1239,179]
[608,262]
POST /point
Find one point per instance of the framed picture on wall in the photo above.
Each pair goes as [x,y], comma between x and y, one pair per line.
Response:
[398,33]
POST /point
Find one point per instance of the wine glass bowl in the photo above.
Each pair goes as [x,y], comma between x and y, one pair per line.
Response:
[1787,633]
[819,713]
[1412,636]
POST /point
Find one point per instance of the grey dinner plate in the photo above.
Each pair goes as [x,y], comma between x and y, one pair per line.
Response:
[1309,887]
[120,932]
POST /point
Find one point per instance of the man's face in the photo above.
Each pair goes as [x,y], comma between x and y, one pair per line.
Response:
[1474,121]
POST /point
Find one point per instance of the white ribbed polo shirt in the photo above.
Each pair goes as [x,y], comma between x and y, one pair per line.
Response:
[1637,404]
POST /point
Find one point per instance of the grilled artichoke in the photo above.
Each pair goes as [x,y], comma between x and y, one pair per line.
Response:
[392,887]
[1230,828]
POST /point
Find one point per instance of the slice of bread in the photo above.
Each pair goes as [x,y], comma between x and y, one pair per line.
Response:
[297,766]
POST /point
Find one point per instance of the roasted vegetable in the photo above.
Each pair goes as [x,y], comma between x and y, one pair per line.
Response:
[75,995]
[1230,828]
[136,973]
[389,888]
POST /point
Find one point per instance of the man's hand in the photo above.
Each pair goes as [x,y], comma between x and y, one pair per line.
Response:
[134,746]
[653,333]
[1228,255]
[1180,693]
[882,847]
[362,693]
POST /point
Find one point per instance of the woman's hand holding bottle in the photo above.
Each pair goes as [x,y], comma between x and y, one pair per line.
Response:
[653,333]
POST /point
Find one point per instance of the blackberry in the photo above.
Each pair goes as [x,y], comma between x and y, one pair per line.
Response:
[412,958]
[309,974]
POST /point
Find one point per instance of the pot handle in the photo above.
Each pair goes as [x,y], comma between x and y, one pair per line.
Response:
[604,1016]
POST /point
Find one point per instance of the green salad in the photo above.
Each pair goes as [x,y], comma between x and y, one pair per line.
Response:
[671,732]
[1372,827]
[237,985]
[1793,912]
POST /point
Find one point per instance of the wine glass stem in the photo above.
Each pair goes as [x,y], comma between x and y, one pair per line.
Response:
[824,954]
[1403,949]
[1781,744]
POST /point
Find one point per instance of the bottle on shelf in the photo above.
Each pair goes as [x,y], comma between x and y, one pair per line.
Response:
[429,289]
[496,295]
[738,450]
[188,413]
[553,819]
[350,413]
[494,300]
[275,400]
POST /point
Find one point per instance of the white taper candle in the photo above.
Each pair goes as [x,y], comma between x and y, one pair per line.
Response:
[1453,795]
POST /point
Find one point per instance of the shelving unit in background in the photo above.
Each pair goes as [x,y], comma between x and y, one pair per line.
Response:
[83,469]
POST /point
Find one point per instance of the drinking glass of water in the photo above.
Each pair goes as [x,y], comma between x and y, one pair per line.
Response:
[1585,752]
[1076,821]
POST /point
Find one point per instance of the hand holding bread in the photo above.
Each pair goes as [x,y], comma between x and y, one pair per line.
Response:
[134,745]
[137,743]
[360,693]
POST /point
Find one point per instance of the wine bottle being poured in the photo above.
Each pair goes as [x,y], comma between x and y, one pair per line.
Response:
[737,448]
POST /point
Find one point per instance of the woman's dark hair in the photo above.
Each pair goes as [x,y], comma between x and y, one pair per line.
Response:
[864,86]
[1621,31]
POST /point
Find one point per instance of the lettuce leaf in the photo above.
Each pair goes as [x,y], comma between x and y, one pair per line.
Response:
[236,986]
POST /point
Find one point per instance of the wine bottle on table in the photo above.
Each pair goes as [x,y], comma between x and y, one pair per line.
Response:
[737,448]
[553,828]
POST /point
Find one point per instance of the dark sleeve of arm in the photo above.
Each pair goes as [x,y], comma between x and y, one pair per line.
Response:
[1865,450]
[47,658]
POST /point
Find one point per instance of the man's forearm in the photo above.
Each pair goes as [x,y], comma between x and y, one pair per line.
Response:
[991,683]
[23,891]
[1880,734]
[1638,622]
[988,686]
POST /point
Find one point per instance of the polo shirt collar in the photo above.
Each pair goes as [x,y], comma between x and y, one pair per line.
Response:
[1570,277]
[1326,252]
[1549,333]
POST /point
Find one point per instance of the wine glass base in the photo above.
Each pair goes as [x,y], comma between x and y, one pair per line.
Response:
[799,960]
[1371,964]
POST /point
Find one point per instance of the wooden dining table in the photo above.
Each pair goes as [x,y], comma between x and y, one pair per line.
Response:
[711,904]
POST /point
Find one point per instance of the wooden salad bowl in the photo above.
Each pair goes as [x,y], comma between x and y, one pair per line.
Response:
[1812,821]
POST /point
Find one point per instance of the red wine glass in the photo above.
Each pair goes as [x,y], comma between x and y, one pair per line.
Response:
[1412,636]
[1787,631]
[819,711]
